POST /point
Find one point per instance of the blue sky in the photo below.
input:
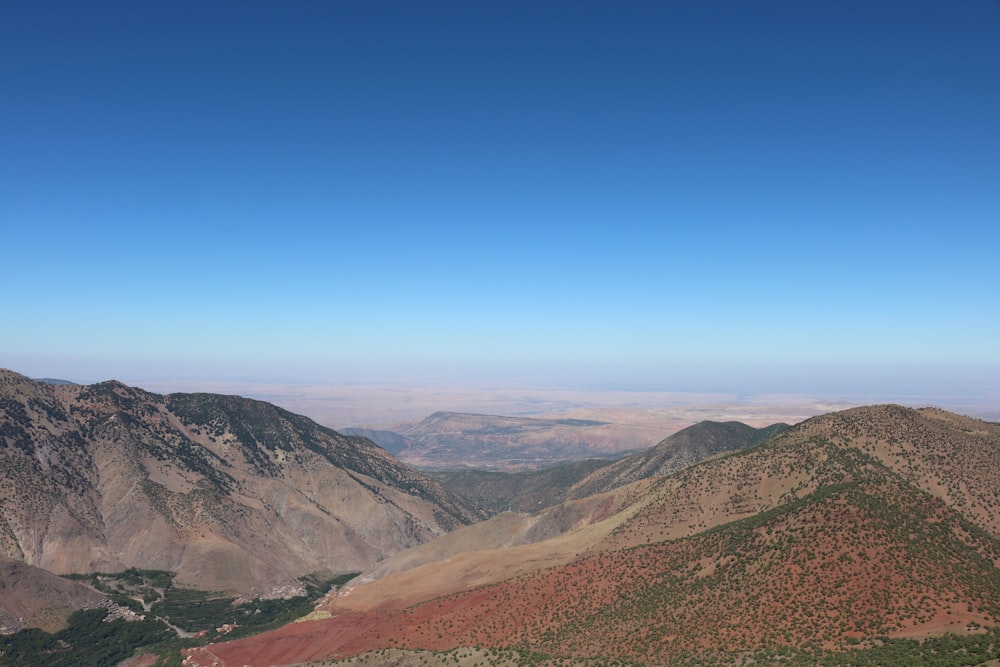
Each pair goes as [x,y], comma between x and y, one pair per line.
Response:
[588,192]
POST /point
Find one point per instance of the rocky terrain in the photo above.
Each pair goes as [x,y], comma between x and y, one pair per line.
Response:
[862,530]
[232,494]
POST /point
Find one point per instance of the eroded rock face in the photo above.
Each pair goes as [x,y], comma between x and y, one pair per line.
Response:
[233,494]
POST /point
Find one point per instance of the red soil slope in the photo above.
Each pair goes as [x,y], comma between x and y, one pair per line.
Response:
[855,561]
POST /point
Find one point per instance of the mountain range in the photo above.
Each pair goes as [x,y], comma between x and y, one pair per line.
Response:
[865,536]
[33,597]
[232,494]
[851,534]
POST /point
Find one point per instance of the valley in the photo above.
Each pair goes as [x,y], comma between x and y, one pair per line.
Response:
[464,441]
[863,536]
[812,545]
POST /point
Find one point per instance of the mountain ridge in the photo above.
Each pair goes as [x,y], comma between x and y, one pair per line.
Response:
[534,490]
[232,493]
[675,452]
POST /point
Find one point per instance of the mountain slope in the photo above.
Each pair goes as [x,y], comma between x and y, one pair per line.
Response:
[231,493]
[953,457]
[31,597]
[545,493]
[842,567]
[534,490]
[823,538]
[527,491]
[390,441]
[686,447]
[848,563]
[705,496]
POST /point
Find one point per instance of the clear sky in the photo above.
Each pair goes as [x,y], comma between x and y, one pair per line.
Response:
[588,192]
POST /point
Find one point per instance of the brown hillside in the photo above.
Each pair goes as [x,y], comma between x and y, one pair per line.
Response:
[701,497]
[676,452]
[856,561]
[232,494]
[953,457]
[490,551]
[533,491]
[807,542]
[600,513]
[525,491]
[31,597]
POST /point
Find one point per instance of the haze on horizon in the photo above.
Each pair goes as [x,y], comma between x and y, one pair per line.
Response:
[766,198]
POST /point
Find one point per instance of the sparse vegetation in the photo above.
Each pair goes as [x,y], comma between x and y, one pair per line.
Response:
[839,541]
[808,549]
[90,640]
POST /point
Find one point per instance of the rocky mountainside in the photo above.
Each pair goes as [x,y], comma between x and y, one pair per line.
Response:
[459,441]
[232,494]
[849,532]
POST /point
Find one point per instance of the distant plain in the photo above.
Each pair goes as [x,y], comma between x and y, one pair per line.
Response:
[391,405]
